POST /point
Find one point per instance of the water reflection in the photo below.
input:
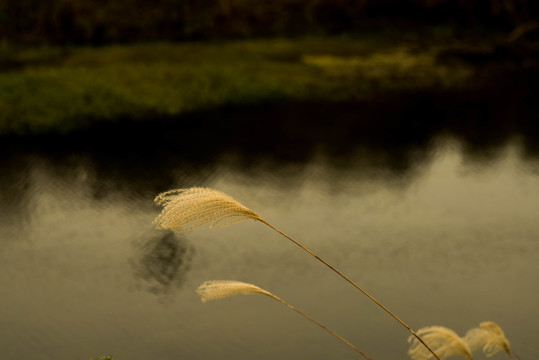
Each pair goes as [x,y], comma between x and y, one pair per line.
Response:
[389,138]
[14,196]
[435,215]
[162,262]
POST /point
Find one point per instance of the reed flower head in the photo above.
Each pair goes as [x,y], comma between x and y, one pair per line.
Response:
[443,341]
[186,209]
[219,289]
[489,337]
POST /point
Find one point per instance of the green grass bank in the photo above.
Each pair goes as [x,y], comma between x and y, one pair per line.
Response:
[60,89]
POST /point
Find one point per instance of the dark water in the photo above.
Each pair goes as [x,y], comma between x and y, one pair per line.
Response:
[430,203]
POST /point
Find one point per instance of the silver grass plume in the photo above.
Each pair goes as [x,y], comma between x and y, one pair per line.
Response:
[186,209]
[445,342]
[488,337]
[219,289]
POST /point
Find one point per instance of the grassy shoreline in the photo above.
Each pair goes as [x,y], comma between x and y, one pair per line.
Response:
[58,90]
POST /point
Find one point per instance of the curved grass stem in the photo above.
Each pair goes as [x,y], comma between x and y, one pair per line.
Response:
[219,289]
[324,327]
[355,285]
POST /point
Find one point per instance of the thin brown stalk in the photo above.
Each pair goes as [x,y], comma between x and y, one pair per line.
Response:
[356,286]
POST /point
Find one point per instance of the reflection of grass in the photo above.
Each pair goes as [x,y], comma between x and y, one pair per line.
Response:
[63,89]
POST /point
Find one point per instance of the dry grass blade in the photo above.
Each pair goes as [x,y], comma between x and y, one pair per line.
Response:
[186,209]
[445,342]
[489,337]
[219,289]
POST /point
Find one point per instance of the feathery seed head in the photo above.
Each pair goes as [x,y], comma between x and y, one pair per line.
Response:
[219,289]
[186,209]
[489,337]
[492,327]
[443,341]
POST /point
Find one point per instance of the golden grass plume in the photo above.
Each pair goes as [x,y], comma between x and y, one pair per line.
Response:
[488,337]
[443,341]
[186,209]
[220,289]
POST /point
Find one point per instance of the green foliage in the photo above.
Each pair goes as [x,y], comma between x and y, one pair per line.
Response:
[64,89]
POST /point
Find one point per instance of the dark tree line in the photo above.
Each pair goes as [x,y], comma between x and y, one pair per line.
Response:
[106,21]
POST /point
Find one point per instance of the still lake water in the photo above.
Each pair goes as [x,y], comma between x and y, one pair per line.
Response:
[438,220]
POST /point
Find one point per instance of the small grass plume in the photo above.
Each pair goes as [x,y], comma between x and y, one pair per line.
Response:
[219,289]
[490,338]
[186,209]
[445,342]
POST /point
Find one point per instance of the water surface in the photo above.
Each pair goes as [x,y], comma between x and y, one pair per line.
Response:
[438,220]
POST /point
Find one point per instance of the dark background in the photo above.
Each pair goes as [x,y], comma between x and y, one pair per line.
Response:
[119,21]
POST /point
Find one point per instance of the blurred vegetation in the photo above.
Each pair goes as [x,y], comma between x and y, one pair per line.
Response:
[112,21]
[71,64]
[60,89]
